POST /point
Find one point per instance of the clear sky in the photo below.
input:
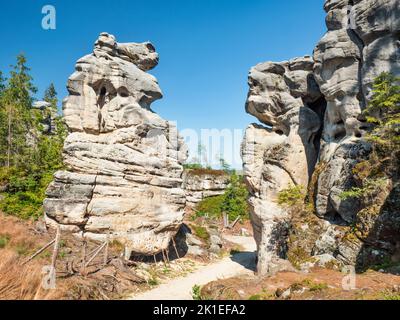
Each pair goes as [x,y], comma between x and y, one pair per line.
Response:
[206,47]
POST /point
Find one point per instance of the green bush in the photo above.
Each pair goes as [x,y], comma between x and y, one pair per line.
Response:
[233,202]
[201,232]
[383,113]
[354,193]
[368,188]
[211,206]
[390,296]
[293,195]
[235,199]
[196,292]
[192,166]
[4,239]
[28,155]
[25,194]
[24,205]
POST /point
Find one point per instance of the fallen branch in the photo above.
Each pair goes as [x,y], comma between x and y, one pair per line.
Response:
[234,223]
[84,249]
[56,247]
[176,250]
[96,253]
[39,252]
[105,257]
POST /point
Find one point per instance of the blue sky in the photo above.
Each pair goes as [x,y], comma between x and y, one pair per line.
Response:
[206,47]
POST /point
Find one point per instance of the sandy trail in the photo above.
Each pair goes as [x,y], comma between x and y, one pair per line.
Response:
[241,263]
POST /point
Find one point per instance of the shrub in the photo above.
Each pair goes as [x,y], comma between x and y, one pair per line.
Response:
[24,205]
[235,199]
[383,112]
[293,195]
[233,202]
[201,232]
[196,292]
[4,239]
[313,286]
[318,286]
[368,188]
[352,193]
[192,166]
[390,295]
[211,206]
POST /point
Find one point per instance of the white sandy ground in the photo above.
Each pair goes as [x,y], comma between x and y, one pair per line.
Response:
[241,263]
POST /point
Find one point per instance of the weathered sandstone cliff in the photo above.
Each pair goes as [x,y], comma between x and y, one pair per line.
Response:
[311,136]
[123,177]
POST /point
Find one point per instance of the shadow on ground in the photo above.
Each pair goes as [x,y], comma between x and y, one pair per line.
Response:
[245,259]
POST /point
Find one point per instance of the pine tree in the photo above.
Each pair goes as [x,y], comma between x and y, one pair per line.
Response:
[50,95]
[20,84]
[28,155]
[383,112]
[48,155]
[2,83]
[3,131]
[16,102]
[235,198]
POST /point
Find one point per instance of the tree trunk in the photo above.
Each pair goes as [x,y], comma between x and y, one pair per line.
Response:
[9,136]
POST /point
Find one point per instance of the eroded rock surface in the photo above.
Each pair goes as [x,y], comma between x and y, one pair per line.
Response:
[285,97]
[312,123]
[202,183]
[123,177]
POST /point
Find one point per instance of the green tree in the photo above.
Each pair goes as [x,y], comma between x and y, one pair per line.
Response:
[20,84]
[29,155]
[48,151]
[235,198]
[3,131]
[224,165]
[16,119]
[233,202]
[383,112]
[2,83]
[50,95]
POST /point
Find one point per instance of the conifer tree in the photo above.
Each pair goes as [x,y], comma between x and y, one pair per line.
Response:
[16,102]
[383,112]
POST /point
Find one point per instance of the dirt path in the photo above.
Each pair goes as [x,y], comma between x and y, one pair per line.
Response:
[181,288]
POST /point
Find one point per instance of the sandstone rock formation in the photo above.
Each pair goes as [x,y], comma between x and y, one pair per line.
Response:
[286,99]
[49,116]
[201,183]
[311,111]
[123,162]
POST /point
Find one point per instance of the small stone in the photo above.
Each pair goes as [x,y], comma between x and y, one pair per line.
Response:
[191,240]
[214,248]
[286,294]
[196,251]
[216,240]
